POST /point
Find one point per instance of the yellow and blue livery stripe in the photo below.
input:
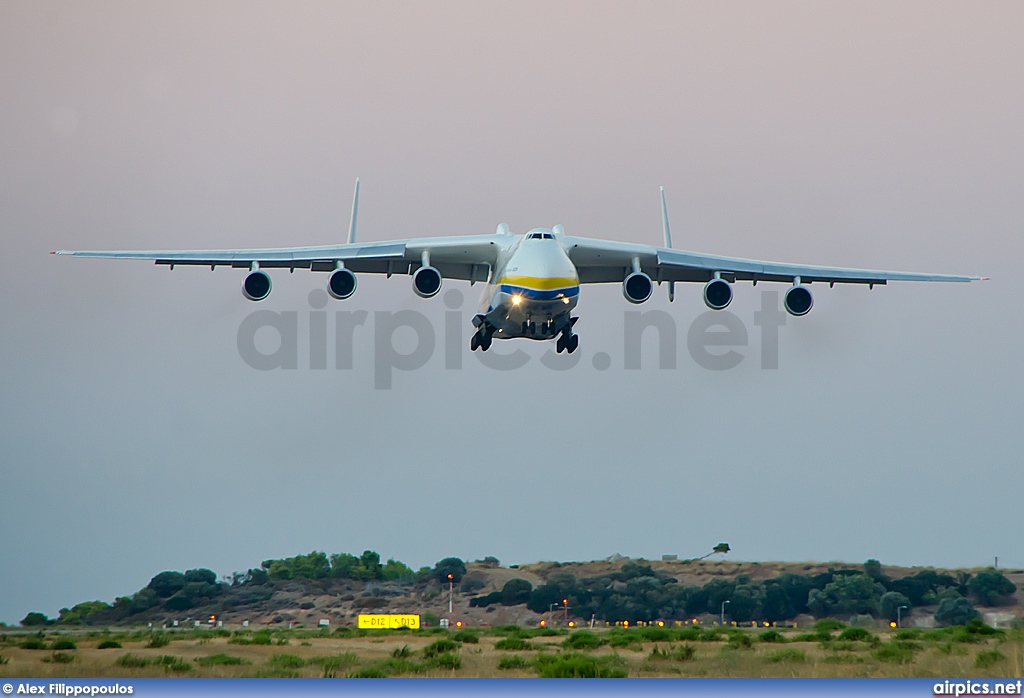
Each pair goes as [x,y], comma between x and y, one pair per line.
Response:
[540,288]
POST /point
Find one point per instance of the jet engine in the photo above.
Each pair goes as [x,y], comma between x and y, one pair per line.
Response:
[342,284]
[798,301]
[426,282]
[256,285]
[717,294]
[637,287]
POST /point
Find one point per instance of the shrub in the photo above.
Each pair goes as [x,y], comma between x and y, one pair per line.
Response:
[894,653]
[771,636]
[679,654]
[402,652]
[32,645]
[740,640]
[908,634]
[158,640]
[655,634]
[60,658]
[368,673]
[583,640]
[447,660]
[287,661]
[957,611]
[827,625]
[577,666]
[109,645]
[3,659]
[332,664]
[63,645]
[175,664]
[991,588]
[221,660]
[440,647]
[856,635]
[512,662]
[263,637]
[466,636]
[786,655]
[132,661]
[430,620]
[986,658]
[513,642]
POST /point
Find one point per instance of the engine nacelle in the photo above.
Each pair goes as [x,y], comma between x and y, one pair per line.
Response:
[798,301]
[426,282]
[342,284]
[637,287]
[256,285]
[717,294]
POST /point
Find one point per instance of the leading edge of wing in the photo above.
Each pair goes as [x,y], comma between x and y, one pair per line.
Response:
[592,252]
[388,249]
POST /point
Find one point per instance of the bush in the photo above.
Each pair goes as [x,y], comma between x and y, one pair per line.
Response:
[772,636]
[440,647]
[430,620]
[175,664]
[986,658]
[889,604]
[513,642]
[466,636]
[577,666]
[32,645]
[827,625]
[515,592]
[131,661]
[957,611]
[740,640]
[678,654]
[583,640]
[3,660]
[512,662]
[287,661]
[894,653]
[221,660]
[786,655]
[60,658]
[262,637]
[35,619]
[109,645]
[990,587]
[158,640]
[856,635]
[402,652]
[332,664]
[447,660]
[63,645]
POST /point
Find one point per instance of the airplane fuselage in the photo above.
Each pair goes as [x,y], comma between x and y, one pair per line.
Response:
[533,290]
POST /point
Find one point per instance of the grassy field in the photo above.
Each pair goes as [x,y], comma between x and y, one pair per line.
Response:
[516,652]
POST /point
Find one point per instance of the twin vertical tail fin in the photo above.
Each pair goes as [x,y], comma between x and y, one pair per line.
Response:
[355,212]
[668,242]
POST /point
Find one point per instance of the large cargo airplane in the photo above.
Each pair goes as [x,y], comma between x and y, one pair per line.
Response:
[533,280]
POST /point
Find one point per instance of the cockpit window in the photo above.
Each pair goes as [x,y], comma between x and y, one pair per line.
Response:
[540,236]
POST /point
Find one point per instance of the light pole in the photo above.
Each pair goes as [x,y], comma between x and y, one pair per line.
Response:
[450,582]
[551,607]
[565,604]
[899,616]
[723,611]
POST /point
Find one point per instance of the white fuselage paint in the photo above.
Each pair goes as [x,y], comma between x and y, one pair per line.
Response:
[533,289]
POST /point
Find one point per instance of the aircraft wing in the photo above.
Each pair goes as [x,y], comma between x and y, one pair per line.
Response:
[606,261]
[469,257]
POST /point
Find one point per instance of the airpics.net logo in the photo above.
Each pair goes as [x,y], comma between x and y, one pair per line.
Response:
[712,340]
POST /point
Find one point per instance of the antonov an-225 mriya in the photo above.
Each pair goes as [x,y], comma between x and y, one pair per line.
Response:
[533,280]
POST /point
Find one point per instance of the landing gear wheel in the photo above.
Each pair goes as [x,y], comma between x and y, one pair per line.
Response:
[485,342]
[560,344]
[474,343]
[572,343]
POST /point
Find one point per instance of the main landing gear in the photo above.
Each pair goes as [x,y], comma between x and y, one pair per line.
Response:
[567,341]
[481,339]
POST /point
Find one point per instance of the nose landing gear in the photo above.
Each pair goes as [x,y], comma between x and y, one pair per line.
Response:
[482,338]
[567,341]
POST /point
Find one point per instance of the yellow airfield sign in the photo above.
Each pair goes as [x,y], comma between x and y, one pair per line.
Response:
[388,620]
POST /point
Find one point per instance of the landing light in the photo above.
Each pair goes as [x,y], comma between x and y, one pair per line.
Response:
[516,300]
[566,301]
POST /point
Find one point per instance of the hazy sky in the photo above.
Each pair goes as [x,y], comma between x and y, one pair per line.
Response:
[133,437]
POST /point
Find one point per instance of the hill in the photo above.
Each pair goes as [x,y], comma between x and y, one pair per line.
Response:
[306,589]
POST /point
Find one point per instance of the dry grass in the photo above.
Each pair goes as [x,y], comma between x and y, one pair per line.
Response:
[332,656]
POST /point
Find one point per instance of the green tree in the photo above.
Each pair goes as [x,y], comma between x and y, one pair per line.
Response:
[958,611]
[515,592]
[167,583]
[450,565]
[990,587]
[34,618]
[395,570]
[80,613]
[846,594]
[202,575]
[873,569]
[890,602]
